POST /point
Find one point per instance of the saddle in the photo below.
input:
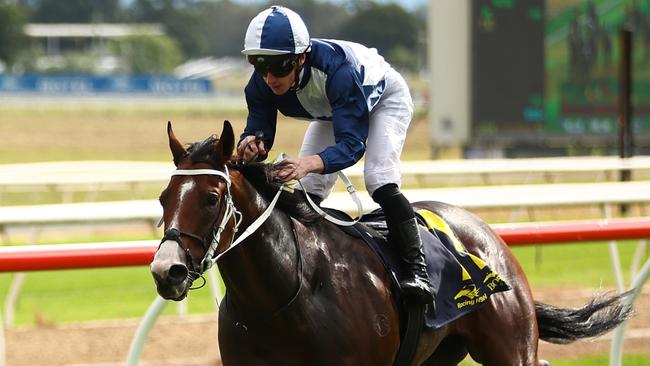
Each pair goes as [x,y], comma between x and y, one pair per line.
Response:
[461,280]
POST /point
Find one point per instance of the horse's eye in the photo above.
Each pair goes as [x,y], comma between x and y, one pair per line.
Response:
[213,199]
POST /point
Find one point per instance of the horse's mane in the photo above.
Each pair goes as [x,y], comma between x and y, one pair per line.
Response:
[201,152]
[260,177]
[293,204]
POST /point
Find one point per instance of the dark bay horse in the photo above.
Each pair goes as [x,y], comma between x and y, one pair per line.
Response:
[302,292]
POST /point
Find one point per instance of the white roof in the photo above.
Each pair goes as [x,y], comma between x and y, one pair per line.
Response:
[106,30]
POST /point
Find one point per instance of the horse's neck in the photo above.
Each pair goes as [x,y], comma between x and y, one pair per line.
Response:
[262,273]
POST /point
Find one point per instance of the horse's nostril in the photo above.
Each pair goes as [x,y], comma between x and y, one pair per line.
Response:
[177,273]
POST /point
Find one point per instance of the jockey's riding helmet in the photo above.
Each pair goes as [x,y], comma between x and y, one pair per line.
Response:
[276,31]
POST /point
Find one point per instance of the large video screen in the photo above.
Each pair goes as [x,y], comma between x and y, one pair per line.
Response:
[507,66]
[547,72]
[582,66]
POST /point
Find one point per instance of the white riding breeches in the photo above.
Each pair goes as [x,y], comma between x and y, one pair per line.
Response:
[389,121]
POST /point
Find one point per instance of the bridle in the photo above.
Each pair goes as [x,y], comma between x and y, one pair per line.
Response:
[210,243]
[230,213]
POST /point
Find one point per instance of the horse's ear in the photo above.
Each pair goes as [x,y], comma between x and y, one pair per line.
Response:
[178,151]
[226,143]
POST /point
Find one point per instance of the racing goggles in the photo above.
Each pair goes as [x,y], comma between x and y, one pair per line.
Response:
[278,65]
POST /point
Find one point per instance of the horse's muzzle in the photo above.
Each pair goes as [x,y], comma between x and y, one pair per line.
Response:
[170,272]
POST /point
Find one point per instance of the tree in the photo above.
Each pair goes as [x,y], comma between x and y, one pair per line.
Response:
[187,26]
[225,32]
[389,28]
[323,19]
[12,36]
[150,54]
[75,11]
[184,20]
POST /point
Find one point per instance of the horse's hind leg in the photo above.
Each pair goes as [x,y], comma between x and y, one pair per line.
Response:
[502,332]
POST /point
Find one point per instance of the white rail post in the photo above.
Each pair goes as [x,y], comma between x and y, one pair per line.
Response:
[639,253]
[141,334]
[152,314]
[3,352]
[15,287]
[12,298]
[616,353]
[181,307]
[215,288]
[613,254]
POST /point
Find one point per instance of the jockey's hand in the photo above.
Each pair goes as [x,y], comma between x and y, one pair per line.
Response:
[296,168]
[250,148]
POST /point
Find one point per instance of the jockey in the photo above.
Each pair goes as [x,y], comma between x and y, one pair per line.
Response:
[356,102]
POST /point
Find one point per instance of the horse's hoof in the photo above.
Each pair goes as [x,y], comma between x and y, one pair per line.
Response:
[544,363]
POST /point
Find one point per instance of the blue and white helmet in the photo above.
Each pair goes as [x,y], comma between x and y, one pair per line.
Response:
[276,31]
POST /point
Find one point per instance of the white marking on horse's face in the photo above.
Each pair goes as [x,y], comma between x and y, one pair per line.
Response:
[168,254]
[183,191]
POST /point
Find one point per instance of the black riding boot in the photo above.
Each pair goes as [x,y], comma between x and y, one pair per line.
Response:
[416,280]
[403,228]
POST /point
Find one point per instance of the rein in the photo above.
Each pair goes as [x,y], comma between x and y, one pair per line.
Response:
[348,186]
[353,193]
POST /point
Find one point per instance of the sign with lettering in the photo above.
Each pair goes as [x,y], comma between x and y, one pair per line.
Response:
[104,85]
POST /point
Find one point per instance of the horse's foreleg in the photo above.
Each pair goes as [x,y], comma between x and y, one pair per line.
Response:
[234,347]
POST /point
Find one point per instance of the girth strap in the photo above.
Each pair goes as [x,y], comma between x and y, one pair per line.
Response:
[410,337]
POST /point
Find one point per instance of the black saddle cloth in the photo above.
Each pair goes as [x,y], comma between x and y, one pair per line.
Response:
[461,280]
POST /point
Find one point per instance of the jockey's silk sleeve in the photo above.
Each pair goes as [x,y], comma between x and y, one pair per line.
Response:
[262,112]
[350,120]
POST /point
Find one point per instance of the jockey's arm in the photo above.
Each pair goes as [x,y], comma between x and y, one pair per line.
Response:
[350,119]
[261,121]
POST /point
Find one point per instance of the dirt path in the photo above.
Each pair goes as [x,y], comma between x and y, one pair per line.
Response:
[189,342]
[193,341]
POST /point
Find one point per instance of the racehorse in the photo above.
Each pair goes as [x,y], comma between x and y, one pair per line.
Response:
[300,291]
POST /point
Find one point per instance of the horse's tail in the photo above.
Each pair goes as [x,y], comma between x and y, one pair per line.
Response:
[562,325]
